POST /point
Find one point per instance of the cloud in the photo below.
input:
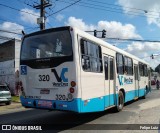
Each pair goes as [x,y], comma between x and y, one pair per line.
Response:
[144,51]
[29,18]
[114,29]
[79,23]
[119,30]
[59,17]
[13,27]
[151,6]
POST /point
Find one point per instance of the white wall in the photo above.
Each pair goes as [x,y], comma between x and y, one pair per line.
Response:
[9,68]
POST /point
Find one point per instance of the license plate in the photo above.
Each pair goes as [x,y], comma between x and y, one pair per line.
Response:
[42,103]
[44,91]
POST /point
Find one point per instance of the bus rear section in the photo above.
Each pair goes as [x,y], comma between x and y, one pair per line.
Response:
[48,71]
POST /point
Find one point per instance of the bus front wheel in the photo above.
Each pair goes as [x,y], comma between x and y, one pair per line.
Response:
[120,105]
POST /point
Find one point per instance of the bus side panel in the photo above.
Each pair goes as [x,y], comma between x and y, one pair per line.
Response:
[130,95]
[93,105]
[142,86]
[128,88]
[92,88]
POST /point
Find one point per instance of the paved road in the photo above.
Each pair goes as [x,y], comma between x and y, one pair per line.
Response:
[143,111]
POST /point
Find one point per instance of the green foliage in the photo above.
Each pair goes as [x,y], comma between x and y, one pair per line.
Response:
[15,99]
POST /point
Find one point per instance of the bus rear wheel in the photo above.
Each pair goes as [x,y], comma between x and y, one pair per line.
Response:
[120,105]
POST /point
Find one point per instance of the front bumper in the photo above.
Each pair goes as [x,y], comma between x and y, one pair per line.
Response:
[5,99]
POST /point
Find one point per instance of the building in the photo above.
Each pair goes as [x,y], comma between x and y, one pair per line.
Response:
[9,64]
[157,69]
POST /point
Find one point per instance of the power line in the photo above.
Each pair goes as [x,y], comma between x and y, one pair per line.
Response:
[26,27]
[109,7]
[44,4]
[114,11]
[6,37]
[21,3]
[116,5]
[9,32]
[18,10]
[49,24]
[64,8]
[135,40]
[120,8]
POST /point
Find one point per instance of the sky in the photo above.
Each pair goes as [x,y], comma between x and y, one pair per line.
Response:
[123,19]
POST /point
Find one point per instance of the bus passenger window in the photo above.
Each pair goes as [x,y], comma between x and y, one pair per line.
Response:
[85,63]
[91,56]
[145,70]
[141,69]
[128,66]
[120,66]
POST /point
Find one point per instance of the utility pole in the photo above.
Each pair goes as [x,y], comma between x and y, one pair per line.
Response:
[42,19]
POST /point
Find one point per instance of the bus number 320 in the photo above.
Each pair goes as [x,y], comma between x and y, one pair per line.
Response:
[44,78]
[61,97]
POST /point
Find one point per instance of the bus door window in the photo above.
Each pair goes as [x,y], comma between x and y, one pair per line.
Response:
[136,72]
[111,69]
[106,67]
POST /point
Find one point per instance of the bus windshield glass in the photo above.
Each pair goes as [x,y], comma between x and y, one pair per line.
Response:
[47,45]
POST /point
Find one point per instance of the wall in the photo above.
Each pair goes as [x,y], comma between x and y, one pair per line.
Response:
[9,64]
[7,74]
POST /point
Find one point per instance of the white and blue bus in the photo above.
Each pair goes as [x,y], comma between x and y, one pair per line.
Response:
[68,69]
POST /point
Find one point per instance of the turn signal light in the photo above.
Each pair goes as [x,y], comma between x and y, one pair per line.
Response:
[71,90]
[73,84]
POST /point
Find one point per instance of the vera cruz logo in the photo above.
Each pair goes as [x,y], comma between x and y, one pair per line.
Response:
[124,80]
[61,79]
[120,79]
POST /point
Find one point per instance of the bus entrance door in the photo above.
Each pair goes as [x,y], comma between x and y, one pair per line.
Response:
[136,80]
[109,80]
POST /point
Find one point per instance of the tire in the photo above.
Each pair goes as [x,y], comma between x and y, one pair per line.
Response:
[120,105]
[8,103]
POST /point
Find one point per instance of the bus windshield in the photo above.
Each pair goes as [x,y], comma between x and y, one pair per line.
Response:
[47,45]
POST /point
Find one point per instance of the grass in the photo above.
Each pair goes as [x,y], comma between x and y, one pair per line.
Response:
[15,99]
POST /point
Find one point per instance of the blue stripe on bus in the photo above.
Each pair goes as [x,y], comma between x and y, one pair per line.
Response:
[130,95]
[59,105]
[81,106]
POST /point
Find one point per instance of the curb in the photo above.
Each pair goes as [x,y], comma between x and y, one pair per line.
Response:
[13,105]
[16,102]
